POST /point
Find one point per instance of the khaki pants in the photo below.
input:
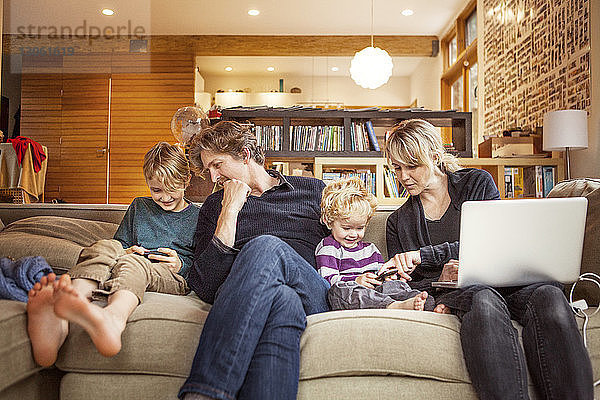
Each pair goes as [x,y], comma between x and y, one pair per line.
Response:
[107,263]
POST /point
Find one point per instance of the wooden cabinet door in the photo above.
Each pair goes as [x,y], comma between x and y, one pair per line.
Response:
[147,89]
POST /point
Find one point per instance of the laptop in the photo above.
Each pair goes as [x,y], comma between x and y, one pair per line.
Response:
[519,242]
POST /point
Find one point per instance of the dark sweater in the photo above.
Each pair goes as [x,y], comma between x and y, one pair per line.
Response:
[146,224]
[289,211]
[407,230]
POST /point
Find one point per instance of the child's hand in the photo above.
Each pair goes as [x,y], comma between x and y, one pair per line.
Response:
[135,249]
[171,260]
[368,279]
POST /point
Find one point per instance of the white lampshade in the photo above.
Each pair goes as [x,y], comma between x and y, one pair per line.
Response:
[371,67]
[565,129]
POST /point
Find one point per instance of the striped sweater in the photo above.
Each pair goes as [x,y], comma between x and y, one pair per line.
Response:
[337,263]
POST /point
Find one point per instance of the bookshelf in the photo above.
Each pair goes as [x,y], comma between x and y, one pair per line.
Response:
[292,117]
[495,166]
[375,165]
[290,121]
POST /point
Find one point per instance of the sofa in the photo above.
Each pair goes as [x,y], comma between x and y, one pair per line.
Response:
[362,354]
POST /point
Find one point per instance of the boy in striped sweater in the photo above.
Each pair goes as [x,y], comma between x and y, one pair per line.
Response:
[351,265]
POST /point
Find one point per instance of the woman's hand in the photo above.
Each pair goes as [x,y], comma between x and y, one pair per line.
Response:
[235,193]
[368,279]
[450,271]
[405,262]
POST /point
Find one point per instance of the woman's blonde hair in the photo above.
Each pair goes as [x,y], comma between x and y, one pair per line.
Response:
[168,164]
[225,137]
[417,142]
[344,198]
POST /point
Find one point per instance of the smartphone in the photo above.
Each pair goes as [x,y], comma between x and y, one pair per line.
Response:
[387,274]
[156,252]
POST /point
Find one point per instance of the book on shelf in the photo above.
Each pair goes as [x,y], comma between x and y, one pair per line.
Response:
[548,178]
[372,137]
[508,183]
[317,138]
[533,184]
[517,182]
[269,137]
[365,175]
[394,189]
[533,181]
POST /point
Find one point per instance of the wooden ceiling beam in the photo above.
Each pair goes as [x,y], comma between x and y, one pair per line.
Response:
[232,45]
[338,45]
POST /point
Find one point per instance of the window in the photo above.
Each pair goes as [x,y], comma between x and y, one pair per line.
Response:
[471,28]
[452,51]
[457,94]
[459,79]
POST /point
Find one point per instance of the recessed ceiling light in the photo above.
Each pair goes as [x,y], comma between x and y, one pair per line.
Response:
[334,69]
[408,12]
[253,12]
[270,69]
[228,69]
[108,11]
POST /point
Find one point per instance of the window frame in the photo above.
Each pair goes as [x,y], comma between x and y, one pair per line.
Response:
[465,59]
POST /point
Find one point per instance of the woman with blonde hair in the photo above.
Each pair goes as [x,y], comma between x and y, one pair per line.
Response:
[424,234]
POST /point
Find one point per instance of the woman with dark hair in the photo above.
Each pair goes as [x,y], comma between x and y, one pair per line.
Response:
[255,244]
[423,234]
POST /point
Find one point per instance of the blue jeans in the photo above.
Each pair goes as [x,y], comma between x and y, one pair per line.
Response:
[558,362]
[250,343]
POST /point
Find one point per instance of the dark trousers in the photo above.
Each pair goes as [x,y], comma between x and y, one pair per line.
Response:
[553,348]
[352,296]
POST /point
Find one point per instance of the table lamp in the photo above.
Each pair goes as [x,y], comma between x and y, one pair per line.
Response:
[565,130]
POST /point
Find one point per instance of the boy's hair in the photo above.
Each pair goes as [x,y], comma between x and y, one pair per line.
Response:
[225,137]
[417,142]
[168,164]
[344,198]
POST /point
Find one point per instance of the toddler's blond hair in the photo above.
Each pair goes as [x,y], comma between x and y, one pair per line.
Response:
[344,198]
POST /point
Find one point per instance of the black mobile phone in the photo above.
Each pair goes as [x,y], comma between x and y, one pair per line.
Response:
[386,274]
[156,252]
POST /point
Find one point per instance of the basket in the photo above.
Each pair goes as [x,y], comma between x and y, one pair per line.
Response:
[12,195]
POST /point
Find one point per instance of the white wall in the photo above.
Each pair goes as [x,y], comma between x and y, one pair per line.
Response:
[425,83]
[319,89]
[586,163]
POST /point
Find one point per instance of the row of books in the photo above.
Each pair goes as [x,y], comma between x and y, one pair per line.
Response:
[317,138]
[394,189]
[362,137]
[533,181]
[269,137]
[365,175]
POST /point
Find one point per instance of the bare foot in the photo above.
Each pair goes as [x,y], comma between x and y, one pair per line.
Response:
[47,331]
[104,329]
[414,303]
[442,309]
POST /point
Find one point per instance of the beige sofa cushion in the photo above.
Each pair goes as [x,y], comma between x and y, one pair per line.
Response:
[16,360]
[58,239]
[590,261]
[375,232]
[160,338]
[375,342]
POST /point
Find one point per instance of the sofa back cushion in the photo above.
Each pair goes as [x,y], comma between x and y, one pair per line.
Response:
[58,239]
[590,261]
[375,232]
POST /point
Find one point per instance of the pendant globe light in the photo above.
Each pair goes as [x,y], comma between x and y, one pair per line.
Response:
[371,67]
